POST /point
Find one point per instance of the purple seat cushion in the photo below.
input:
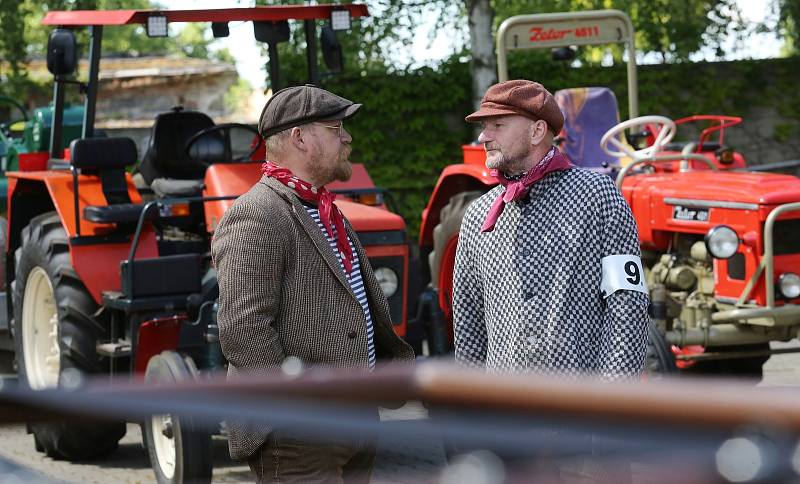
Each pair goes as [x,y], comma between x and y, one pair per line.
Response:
[588,113]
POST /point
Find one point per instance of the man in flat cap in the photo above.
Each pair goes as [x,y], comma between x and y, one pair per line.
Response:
[548,276]
[295,283]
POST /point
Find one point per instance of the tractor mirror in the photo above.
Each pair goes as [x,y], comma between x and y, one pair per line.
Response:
[331,49]
[271,32]
[564,53]
[62,55]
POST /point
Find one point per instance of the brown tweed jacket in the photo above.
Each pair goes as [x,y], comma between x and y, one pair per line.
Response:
[282,293]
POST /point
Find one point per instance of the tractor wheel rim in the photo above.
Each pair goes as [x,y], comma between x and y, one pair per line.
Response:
[164,445]
[40,348]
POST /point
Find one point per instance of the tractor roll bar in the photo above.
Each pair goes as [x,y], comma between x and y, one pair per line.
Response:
[84,18]
[548,30]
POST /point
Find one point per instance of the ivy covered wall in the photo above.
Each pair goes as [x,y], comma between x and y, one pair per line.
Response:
[412,124]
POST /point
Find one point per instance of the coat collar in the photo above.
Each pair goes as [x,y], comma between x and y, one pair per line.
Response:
[319,240]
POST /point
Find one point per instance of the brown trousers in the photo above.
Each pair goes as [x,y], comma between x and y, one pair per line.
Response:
[285,458]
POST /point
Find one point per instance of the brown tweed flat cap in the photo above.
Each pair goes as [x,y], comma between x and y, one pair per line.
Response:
[526,98]
[298,105]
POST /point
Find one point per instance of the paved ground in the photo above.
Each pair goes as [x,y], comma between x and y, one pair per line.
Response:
[130,465]
[398,461]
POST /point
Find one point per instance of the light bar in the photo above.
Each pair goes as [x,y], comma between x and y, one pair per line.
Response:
[156,25]
[340,19]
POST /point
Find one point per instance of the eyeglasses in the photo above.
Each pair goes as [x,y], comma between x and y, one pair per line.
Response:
[338,127]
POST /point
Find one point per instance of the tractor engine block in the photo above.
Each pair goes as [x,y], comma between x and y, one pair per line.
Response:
[682,288]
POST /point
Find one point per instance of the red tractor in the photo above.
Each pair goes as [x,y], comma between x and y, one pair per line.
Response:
[721,243]
[113,277]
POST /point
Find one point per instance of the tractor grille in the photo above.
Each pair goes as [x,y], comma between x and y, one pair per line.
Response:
[786,237]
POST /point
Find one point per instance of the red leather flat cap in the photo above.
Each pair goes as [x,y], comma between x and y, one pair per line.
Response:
[526,98]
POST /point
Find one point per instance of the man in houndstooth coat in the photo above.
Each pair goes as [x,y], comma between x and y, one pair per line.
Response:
[548,275]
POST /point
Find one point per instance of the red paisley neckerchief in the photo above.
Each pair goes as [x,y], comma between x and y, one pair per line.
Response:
[554,160]
[329,213]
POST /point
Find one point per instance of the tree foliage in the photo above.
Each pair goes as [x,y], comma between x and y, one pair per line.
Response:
[375,44]
[23,37]
[787,26]
[672,29]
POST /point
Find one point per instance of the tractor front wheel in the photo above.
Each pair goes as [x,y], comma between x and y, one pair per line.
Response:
[179,447]
[56,333]
[659,360]
[441,260]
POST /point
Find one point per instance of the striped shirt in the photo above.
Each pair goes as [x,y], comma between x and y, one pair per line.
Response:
[354,279]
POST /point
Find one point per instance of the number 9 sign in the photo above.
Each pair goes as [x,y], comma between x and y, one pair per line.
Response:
[622,272]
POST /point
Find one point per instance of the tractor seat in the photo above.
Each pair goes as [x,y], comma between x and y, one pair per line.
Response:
[588,113]
[166,167]
[108,158]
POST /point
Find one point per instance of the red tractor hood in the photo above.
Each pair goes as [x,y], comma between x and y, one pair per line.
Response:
[737,187]
[364,218]
[224,179]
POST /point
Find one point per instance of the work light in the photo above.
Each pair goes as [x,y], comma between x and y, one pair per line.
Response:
[340,19]
[156,25]
[722,242]
[789,285]
[388,280]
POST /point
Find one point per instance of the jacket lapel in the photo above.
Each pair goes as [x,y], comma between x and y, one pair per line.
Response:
[319,240]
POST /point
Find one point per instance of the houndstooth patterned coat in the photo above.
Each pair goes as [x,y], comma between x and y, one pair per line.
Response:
[527,297]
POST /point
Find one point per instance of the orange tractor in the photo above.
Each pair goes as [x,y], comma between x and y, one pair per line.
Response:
[720,241]
[110,273]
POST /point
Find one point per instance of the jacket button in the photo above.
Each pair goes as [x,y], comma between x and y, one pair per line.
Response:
[352,335]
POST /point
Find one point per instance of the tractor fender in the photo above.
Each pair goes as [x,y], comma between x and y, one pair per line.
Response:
[96,263]
[454,179]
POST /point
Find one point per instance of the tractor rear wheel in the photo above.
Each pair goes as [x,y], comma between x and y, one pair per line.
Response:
[55,332]
[441,260]
[179,447]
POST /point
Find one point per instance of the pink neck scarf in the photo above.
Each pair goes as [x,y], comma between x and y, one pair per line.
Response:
[329,213]
[554,160]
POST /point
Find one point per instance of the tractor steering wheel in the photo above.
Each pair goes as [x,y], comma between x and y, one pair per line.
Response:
[666,130]
[197,154]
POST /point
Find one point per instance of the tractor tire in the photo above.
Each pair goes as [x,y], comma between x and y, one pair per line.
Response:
[56,333]
[448,227]
[3,241]
[659,360]
[179,447]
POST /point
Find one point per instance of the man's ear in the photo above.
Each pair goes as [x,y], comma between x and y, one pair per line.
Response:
[538,132]
[297,138]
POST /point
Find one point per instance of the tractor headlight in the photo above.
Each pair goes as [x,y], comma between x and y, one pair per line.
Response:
[789,285]
[722,242]
[387,278]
